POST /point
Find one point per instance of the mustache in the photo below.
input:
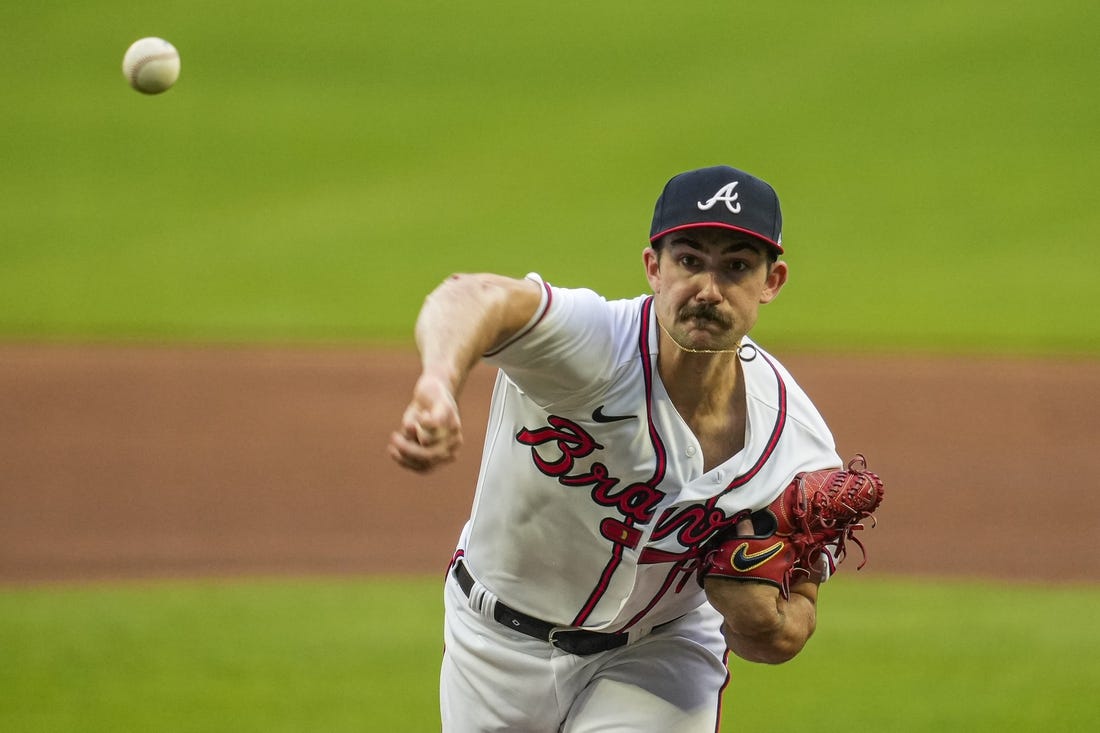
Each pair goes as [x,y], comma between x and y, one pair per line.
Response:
[704,313]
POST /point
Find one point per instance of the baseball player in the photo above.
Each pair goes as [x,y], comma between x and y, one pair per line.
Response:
[637,507]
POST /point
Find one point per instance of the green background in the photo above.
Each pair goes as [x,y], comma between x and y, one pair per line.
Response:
[331,655]
[320,166]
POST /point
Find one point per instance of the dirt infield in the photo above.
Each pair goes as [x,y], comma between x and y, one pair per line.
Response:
[144,462]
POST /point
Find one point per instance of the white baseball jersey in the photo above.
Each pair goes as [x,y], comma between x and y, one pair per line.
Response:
[592,499]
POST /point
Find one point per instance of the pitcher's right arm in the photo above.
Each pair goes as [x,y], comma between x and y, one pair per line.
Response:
[463,318]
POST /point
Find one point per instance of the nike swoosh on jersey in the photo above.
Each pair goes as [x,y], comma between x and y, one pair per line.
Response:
[743,561]
[599,416]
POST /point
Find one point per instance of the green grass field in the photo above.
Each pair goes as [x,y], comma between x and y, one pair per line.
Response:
[319,167]
[353,655]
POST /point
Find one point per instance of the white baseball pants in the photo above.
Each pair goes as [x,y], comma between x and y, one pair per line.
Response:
[497,679]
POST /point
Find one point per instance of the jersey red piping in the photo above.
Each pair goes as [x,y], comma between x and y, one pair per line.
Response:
[777,431]
[524,331]
[658,449]
[687,558]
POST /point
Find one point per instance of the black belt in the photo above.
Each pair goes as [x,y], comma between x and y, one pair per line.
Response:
[574,641]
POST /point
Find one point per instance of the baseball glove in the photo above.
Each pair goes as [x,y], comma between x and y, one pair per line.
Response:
[813,518]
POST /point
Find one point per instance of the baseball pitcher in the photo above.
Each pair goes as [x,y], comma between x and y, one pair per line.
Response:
[655,488]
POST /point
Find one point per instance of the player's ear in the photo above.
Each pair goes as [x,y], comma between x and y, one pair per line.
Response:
[776,279]
[651,258]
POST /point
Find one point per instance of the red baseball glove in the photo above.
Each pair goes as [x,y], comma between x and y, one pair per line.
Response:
[818,510]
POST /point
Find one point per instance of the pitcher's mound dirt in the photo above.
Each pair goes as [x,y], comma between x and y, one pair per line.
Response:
[143,462]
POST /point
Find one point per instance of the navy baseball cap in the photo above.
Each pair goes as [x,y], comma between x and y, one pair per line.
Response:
[719,196]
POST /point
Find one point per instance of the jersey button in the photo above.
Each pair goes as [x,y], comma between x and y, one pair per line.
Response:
[690,451]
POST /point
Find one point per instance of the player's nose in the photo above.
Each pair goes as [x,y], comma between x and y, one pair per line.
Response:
[709,291]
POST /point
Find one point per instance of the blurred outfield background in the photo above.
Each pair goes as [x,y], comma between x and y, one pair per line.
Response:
[319,167]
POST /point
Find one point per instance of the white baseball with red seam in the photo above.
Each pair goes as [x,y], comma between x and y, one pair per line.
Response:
[151,65]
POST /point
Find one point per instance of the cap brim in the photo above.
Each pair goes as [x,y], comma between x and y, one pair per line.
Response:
[721,225]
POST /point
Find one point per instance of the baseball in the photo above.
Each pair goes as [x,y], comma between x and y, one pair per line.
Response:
[151,65]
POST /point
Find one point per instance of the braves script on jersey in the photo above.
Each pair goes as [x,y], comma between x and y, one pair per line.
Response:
[584,442]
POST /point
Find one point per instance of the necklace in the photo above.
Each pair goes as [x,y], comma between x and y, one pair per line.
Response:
[739,349]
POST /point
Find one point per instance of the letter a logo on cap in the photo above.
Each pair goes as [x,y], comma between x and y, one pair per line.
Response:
[726,195]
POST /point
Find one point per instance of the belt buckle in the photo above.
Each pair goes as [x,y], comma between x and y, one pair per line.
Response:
[553,637]
[583,643]
[567,642]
